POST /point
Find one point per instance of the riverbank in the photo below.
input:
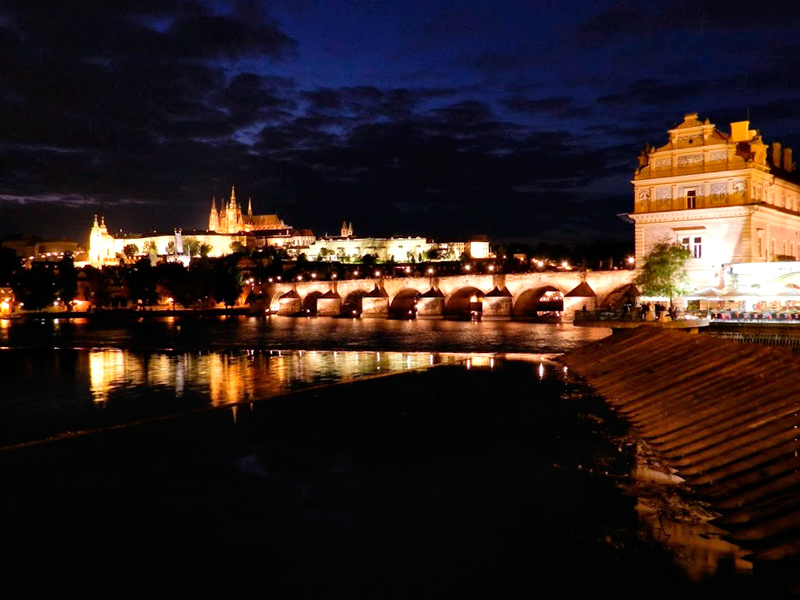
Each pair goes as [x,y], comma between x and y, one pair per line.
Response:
[445,483]
[723,415]
[124,314]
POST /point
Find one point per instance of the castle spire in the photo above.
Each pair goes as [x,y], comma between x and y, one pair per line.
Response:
[233,196]
[249,207]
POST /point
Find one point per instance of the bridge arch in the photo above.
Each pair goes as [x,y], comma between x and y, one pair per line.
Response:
[310,302]
[619,296]
[457,304]
[352,302]
[404,303]
[532,301]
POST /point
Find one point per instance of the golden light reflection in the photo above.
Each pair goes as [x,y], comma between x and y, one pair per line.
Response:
[228,378]
[111,369]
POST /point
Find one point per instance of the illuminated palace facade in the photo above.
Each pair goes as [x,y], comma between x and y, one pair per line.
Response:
[226,226]
[728,197]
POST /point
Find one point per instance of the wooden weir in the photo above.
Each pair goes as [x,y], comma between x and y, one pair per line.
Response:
[726,415]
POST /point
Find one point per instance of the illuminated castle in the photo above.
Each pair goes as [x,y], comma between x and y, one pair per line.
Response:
[230,219]
[228,227]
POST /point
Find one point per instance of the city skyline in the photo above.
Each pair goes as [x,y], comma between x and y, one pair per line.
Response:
[515,120]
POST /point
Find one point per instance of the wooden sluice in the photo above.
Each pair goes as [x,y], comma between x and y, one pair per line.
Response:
[724,414]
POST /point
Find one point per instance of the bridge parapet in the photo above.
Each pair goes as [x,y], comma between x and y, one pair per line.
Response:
[435,296]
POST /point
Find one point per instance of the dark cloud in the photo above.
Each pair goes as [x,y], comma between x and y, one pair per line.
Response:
[562,106]
[633,18]
[508,127]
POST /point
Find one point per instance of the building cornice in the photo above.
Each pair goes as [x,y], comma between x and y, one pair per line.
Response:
[683,178]
[671,216]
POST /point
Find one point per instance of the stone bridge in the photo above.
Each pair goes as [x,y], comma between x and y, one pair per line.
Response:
[493,296]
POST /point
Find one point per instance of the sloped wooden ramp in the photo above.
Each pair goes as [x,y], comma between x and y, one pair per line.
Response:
[724,413]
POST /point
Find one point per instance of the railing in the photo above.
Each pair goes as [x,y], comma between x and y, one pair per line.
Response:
[616,314]
[736,316]
[790,341]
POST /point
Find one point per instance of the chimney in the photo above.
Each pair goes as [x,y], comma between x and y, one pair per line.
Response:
[787,160]
[740,131]
[776,154]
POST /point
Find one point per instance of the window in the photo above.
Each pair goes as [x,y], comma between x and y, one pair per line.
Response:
[691,198]
[686,243]
[760,238]
[697,247]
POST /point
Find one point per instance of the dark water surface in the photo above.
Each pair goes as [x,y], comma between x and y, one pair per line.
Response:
[279,333]
[492,474]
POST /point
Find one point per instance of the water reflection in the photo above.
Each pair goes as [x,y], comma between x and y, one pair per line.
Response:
[50,393]
[241,376]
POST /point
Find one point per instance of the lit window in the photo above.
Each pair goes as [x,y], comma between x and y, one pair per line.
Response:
[697,247]
[691,199]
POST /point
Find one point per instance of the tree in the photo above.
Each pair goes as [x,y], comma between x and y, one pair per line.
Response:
[9,263]
[170,247]
[432,254]
[191,246]
[664,271]
[227,280]
[238,248]
[67,280]
[205,250]
[130,250]
[36,287]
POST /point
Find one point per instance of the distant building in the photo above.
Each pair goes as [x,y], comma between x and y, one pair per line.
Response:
[347,247]
[727,197]
[230,219]
[32,249]
[6,301]
[227,226]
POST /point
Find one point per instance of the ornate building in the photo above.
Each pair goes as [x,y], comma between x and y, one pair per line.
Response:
[727,197]
[226,226]
[230,219]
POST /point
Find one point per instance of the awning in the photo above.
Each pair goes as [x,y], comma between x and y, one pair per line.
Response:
[708,293]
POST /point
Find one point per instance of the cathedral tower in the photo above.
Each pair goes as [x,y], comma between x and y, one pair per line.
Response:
[213,219]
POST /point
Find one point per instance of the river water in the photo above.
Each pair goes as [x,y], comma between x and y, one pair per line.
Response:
[477,445]
[71,375]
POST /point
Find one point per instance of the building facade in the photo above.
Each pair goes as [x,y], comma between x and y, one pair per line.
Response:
[230,219]
[727,197]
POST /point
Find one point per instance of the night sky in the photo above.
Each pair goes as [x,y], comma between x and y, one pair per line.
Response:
[519,120]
